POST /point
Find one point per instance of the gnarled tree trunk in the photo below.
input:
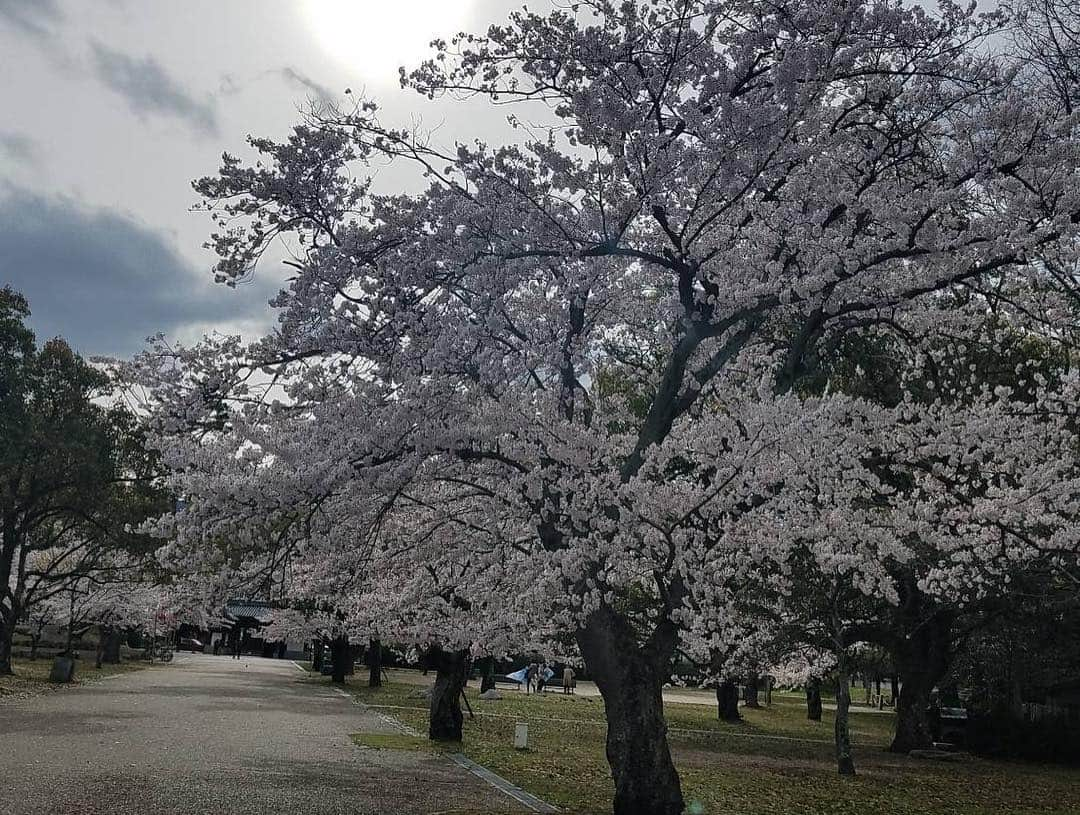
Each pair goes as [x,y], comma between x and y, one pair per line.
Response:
[69,647]
[7,636]
[813,700]
[317,656]
[727,701]
[340,657]
[753,687]
[845,764]
[9,607]
[630,678]
[487,677]
[110,645]
[350,659]
[913,727]
[921,659]
[451,671]
[374,661]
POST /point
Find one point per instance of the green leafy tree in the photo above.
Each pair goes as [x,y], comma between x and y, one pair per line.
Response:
[74,474]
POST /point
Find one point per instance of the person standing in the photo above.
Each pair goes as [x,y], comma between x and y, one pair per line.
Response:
[567,680]
[530,678]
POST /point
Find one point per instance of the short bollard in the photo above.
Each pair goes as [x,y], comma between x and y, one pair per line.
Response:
[521,736]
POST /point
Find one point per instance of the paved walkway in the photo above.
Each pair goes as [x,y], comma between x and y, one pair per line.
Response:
[213,736]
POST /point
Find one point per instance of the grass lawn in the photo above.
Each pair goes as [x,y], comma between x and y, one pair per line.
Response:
[32,676]
[775,762]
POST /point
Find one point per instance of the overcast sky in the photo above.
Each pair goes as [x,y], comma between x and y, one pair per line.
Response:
[112,107]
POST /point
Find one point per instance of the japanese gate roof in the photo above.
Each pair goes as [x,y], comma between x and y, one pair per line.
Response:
[256,610]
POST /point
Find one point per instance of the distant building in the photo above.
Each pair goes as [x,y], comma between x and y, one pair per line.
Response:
[243,621]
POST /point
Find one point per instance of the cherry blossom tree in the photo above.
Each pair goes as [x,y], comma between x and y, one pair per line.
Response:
[561,378]
[1006,375]
[131,598]
[1048,31]
[248,526]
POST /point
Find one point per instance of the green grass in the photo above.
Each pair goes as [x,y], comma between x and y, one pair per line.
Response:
[774,762]
[32,676]
[398,741]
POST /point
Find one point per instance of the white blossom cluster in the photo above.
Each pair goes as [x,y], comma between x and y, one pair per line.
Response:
[566,383]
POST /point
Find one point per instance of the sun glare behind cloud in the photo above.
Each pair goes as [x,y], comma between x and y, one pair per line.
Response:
[375,37]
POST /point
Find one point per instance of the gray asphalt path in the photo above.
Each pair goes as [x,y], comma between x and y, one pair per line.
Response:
[215,736]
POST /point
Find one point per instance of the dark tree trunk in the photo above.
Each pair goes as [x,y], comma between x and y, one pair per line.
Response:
[350,660]
[630,678]
[7,636]
[110,645]
[753,687]
[340,658]
[374,662]
[913,727]
[813,700]
[845,764]
[317,656]
[69,645]
[487,678]
[727,701]
[894,688]
[451,671]
[921,659]
[69,648]
[9,612]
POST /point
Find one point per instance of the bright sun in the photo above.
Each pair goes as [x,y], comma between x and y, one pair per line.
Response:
[374,37]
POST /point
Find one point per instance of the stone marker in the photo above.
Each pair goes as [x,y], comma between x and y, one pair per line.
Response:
[521,736]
